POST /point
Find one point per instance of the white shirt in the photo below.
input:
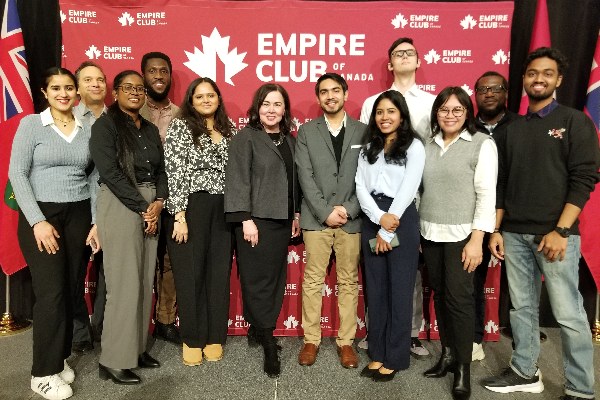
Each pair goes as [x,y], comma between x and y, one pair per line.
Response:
[399,182]
[484,181]
[48,119]
[85,115]
[419,105]
[335,132]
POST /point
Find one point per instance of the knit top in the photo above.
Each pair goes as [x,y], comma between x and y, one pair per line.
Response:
[45,167]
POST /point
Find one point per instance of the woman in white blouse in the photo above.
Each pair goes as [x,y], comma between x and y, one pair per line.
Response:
[200,244]
[387,179]
[457,207]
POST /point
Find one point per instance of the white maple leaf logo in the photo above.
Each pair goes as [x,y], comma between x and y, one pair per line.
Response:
[63,17]
[467,89]
[126,19]
[229,322]
[293,257]
[468,22]
[290,322]
[360,323]
[432,57]
[92,52]
[204,63]
[399,21]
[491,327]
[296,122]
[500,57]
[326,290]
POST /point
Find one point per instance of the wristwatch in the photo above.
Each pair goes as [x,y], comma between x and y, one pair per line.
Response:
[564,232]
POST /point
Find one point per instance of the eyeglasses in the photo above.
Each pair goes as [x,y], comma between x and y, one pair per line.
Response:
[401,53]
[128,89]
[485,89]
[456,111]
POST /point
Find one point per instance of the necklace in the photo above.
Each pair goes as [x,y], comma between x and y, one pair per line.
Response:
[279,139]
[65,123]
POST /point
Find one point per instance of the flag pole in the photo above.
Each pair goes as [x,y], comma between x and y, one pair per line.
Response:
[8,324]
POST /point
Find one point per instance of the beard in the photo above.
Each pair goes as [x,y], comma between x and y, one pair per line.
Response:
[156,96]
[491,113]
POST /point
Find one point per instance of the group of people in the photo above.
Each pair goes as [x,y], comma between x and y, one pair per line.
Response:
[422,177]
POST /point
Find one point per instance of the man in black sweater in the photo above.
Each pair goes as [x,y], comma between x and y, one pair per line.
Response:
[548,165]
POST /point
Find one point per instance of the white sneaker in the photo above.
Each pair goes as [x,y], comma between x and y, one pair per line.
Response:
[67,374]
[363,344]
[478,353]
[51,387]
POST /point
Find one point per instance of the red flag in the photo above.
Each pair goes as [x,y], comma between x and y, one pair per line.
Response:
[15,103]
[540,37]
[589,227]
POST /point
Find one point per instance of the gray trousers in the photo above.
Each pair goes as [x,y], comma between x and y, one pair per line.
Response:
[129,264]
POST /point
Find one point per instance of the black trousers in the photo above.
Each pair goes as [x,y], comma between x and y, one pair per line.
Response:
[453,295]
[57,280]
[263,271]
[201,268]
[479,278]
[390,282]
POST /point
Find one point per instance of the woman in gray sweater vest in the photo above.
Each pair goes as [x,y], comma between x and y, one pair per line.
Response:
[457,207]
[50,173]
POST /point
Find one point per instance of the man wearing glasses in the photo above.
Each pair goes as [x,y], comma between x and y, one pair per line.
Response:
[158,109]
[403,62]
[491,90]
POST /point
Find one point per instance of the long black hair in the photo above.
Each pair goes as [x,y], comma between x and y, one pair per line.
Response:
[375,139]
[285,125]
[196,122]
[126,136]
[463,99]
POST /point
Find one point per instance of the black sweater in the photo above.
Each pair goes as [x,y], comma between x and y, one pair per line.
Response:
[543,164]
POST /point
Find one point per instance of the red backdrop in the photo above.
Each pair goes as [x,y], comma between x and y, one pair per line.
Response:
[242,45]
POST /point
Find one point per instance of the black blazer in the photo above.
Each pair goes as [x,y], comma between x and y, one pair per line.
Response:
[255,176]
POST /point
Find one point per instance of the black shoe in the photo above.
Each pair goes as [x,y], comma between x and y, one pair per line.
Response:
[272,364]
[119,376]
[146,361]
[444,365]
[368,372]
[82,347]
[461,389]
[509,381]
[379,377]
[168,332]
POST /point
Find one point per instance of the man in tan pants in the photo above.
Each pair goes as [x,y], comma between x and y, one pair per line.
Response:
[327,156]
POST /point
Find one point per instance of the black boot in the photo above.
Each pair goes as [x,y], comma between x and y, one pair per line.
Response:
[272,364]
[461,389]
[252,336]
[444,365]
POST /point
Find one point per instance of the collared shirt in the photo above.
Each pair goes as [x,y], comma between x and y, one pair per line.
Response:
[419,105]
[335,132]
[48,119]
[542,112]
[86,115]
[399,182]
[484,182]
[159,116]
[490,127]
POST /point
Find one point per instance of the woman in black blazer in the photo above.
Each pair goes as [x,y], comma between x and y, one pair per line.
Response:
[261,199]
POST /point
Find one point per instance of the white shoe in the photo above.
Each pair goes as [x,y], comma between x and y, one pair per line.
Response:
[51,387]
[67,374]
[363,344]
[478,353]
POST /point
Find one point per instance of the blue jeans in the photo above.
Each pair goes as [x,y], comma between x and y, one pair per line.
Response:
[524,268]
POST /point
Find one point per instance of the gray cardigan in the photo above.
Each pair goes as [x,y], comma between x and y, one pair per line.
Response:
[256,178]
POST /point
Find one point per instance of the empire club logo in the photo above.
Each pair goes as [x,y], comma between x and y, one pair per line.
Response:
[485,22]
[204,62]
[291,322]
[491,327]
[79,17]
[293,257]
[109,52]
[418,21]
[449,56]
[143,18]
[501,58]
[467,89]
[360,324]
[93,53]
[326,291]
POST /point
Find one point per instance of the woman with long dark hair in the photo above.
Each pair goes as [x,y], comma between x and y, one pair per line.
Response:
[457,207]
[200,244]
[387,179]
[50,171]
[133,185]
[262,199]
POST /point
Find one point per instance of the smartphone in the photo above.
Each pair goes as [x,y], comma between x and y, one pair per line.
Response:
[373,243]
